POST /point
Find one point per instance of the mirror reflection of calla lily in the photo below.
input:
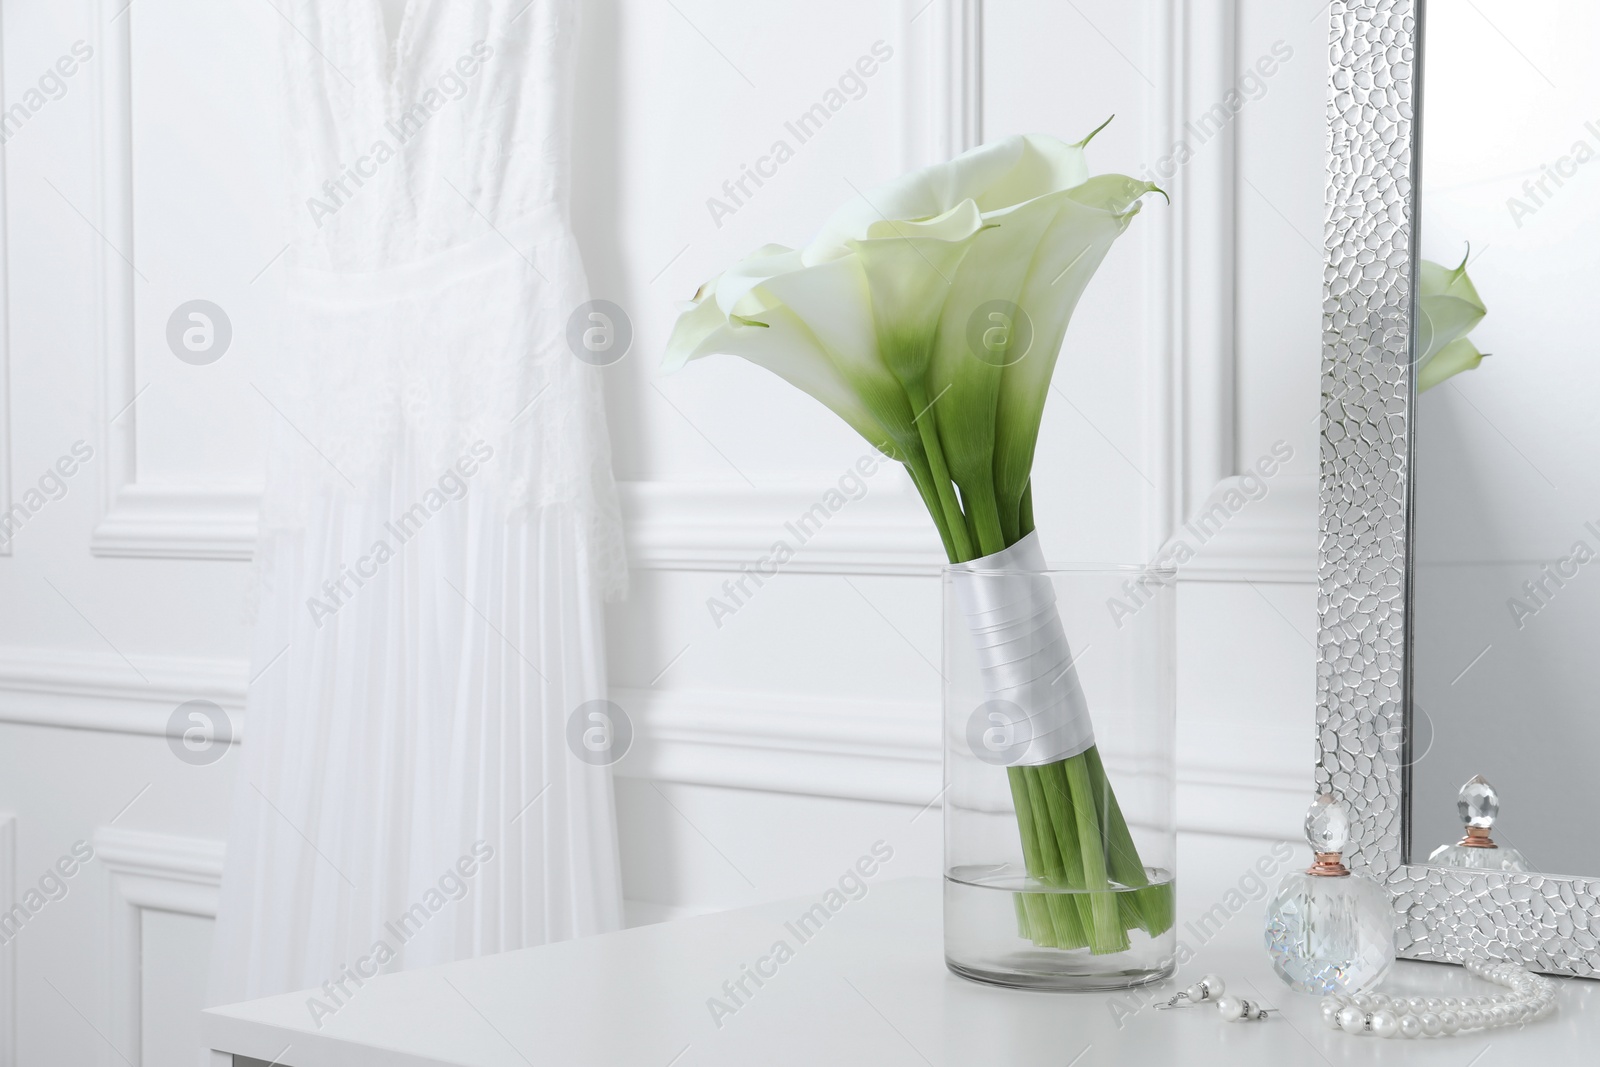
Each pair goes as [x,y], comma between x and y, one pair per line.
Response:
[1448,308]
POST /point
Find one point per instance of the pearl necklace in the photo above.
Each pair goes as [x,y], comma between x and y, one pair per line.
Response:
[1532,997]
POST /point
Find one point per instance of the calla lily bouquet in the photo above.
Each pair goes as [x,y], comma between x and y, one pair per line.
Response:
[929,315]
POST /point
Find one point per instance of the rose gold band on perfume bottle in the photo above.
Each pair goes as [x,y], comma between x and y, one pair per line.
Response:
[1329,865]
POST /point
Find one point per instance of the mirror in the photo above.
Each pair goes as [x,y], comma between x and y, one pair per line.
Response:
[1504,599]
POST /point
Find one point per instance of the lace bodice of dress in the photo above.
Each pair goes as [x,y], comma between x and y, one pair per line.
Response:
[398,146]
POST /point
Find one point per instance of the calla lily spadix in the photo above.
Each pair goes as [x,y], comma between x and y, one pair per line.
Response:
[929,314]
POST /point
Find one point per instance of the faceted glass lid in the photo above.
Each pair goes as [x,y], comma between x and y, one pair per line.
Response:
[1478,803]
[1327,825]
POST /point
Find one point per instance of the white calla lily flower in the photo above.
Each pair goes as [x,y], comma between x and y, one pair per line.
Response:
[875,317]
[772,336]
[1448,308]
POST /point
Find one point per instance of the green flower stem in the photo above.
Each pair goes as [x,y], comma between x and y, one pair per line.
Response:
[1154,903]
[1011,521]
[1064,825]
[1107,934]
[1034,914]
[985,515]
[927,426]
[1062,907]
[923,479]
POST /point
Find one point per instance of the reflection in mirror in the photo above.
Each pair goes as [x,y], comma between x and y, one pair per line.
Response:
[1477,850]
[1505,599]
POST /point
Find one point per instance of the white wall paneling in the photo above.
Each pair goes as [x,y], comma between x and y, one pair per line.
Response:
[711,526]
[199,519]
[149,872]
[96,691]
[8,951]
[1271,539]
[691,525]
[942,82]
[1190,416]
[890,751]
[5,355]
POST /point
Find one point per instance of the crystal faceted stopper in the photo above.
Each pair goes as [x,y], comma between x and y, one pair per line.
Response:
[1328,930]
[1478,803]
[1327,825]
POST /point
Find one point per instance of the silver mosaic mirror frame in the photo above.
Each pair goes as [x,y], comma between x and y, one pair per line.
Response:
[1546,922]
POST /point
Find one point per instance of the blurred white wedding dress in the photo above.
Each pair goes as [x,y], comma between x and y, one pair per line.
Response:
[439,526]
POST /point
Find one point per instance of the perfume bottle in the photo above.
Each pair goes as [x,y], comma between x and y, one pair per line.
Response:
[1478,804]
[1328,930]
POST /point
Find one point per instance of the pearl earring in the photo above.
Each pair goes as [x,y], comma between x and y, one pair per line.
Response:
[1208,988]
[1238,1010]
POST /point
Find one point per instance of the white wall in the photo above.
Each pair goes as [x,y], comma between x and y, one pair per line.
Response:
[769,748]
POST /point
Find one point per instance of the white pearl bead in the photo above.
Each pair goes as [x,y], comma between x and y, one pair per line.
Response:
[1410,1026]
[1449,1021]
[1211,987]
[1430,1024]
[1230,1008]
[1330,1013]
[1352,1020]
[1385,1023]
[1417,1005]
[1194,993]
[1435,1004]
[1378,1000]
[1361,1000]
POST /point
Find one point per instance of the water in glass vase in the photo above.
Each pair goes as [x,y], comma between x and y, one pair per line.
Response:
[1004,927]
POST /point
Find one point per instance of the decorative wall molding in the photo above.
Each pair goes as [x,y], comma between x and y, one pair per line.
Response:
[179,522]
[710,527]
[942,80]
[1264,540]
[1195,435]
[184,522]
[101,691]
[5,392]
[890,751]
[149,872]
[8,951]
[839,747]
[707,526]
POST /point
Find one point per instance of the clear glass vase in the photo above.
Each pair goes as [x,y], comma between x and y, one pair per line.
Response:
[1059,838]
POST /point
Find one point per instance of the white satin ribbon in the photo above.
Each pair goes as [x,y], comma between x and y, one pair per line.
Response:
[1022,651]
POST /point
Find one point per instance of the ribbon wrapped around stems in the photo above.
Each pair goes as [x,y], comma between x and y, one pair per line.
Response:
[1022,651]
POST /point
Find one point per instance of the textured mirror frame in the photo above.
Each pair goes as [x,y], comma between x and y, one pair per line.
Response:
[1545,922]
